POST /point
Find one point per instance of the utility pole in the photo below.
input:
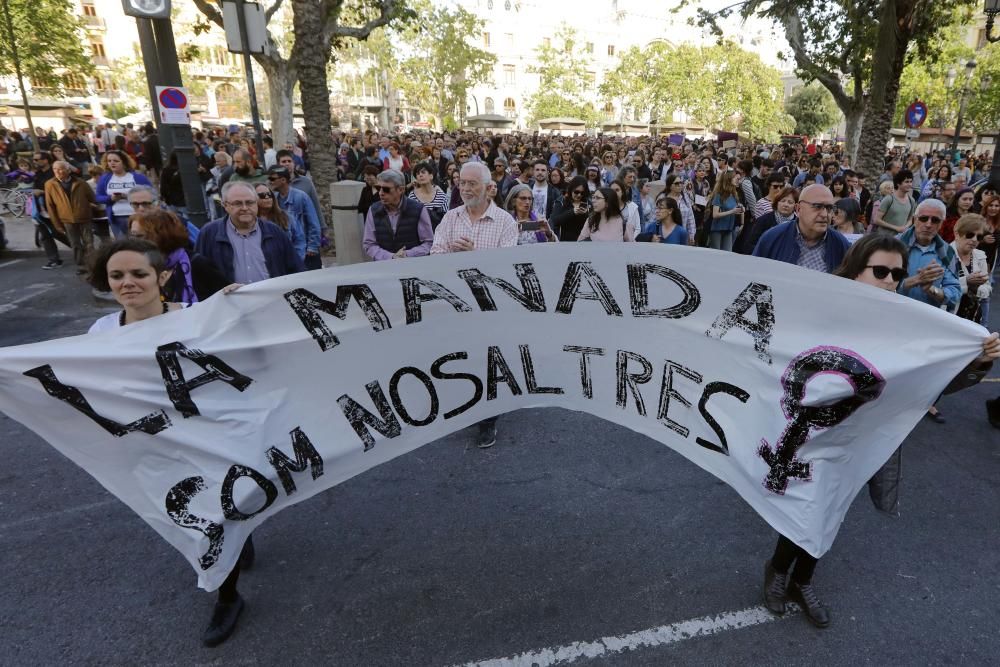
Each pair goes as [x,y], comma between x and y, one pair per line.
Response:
[248,68]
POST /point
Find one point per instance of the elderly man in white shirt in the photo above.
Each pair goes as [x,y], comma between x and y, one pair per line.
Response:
[477,224]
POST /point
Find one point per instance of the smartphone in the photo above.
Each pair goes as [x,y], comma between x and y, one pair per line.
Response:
[530,226]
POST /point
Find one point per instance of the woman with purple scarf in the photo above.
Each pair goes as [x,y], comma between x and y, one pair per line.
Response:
[193,278]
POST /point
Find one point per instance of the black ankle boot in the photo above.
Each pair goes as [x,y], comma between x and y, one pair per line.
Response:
[775,589]
[223,622]
[815,610]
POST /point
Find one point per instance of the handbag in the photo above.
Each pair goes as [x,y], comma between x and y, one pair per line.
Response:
[970,308]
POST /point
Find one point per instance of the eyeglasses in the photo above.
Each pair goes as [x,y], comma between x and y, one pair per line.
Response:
[819,207]
[387,189]
[578,192]
[972,235]
[880,272]
[143,204]
[598,197]
[265,195]
[664,206]
[933,218]
[776,186]
[524,198]
[242,204]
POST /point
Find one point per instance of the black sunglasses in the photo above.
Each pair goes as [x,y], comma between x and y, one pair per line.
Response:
[265,195]
[933,218]
[880,272]
[386,188]
[578,192]
[973,235]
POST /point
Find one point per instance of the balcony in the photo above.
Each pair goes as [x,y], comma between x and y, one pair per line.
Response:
[101,61]
[94,23]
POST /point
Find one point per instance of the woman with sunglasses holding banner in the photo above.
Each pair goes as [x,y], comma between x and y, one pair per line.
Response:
[973,268]
[880,261]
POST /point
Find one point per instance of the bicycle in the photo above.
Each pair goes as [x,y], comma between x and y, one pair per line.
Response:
[14,200]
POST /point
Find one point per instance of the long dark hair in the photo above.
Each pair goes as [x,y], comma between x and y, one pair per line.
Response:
[672,206]
[842,182]
[857,257]
[612,209]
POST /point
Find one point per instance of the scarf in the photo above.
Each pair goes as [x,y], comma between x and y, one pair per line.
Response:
[179,262]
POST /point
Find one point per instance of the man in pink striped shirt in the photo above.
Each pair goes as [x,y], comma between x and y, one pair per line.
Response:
[477,224]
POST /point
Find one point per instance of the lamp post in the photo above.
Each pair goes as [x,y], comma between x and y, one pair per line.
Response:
[969,67]
[991,8]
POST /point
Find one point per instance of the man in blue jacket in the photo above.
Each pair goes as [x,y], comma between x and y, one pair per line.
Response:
[809,241]
[300,210]
[247,249]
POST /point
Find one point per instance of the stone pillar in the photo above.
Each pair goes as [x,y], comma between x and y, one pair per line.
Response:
[348,227]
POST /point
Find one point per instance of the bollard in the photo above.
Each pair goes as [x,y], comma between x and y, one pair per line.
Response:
[348,227]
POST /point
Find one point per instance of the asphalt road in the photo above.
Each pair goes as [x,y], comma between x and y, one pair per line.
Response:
[570,530]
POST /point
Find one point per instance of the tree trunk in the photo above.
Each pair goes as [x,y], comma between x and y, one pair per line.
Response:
[312,55]
[853,118]
[280,88]
[889,58]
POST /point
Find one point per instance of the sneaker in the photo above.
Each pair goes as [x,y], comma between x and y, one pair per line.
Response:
[487,434]
[53,264]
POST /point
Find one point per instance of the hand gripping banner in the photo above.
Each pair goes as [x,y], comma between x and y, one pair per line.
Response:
[790,385]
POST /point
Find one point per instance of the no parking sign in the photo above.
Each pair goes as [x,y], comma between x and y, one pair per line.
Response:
[173,103]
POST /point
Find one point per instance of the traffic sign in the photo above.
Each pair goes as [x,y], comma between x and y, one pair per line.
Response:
[173,102]
[916,114]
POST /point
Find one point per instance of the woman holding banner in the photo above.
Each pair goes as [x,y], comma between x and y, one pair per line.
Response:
[880,261]
[135,272]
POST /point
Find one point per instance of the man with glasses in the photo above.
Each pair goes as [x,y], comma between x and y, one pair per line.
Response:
[299,208]
[932,278]
[477,224]
[396,226]
[809,241]
[245,248]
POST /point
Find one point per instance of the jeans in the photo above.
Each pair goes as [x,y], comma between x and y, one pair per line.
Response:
[80,237]
[119,223]
[721,240]
[313,262]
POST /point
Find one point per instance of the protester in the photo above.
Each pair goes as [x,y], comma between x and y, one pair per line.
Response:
[681,193]
[846,214]
[960,204]
[244,248]
[895,211]
[607,221]
[546,196]
[477,224]
[431,196]
[369,194]
[396,226]
[299,208]
[268,209]
[70,201]
[879,261]
[973,268]
[808,242]
[119,177]
[727,212]
[530,230]
[668,226]
[570,216]
[192,278]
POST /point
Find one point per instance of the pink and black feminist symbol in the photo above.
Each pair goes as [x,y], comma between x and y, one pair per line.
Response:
[866,382]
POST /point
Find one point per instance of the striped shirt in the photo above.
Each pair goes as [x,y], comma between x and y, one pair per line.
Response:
[440,199]
[495,229]
[762,208]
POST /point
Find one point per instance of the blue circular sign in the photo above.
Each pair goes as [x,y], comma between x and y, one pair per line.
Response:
[916,114]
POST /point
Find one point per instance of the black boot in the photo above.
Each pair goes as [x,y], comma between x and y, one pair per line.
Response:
[993,412]
[775,589]
[223,622]
[815,610]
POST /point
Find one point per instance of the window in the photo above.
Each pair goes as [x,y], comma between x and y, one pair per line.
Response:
[486,40]
[508,75]
[488,105]
[589,48]
[609,108]
[89,10]
[97,49]
[611,49]
[509,108]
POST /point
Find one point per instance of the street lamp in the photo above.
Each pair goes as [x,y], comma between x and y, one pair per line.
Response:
[991,8]
[969,67]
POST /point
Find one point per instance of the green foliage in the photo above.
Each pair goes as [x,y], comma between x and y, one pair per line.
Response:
[564,86]
[118,110]
[49,40]
[983,113]
[720,86]
[440,64]
[813,109]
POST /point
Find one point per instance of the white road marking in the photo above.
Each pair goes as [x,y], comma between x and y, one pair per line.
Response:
[29,292]
[13,261]
[660,636]
[992,380]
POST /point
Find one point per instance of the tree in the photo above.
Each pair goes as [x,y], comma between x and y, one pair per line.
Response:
[983,113]
[720,86]
[442,64]
[40,40]
[857,50]
[564,85]
[813,109]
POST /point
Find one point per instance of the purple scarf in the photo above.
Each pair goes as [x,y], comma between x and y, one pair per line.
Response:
[178,261]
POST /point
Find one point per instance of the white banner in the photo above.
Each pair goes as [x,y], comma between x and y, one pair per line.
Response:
[791,386]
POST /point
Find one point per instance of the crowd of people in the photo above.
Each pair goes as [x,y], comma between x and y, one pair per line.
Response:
[929,231]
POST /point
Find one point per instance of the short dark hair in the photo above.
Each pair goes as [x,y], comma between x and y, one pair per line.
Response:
[99,263]
[856,260]
[284,152]
[421,167]
[539,162]
[901,175]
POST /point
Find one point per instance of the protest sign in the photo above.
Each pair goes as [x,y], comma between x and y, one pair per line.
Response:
[790,385]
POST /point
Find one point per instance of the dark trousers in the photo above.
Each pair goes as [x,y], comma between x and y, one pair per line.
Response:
[80,237]
[786,553]
[47,235]
[313,262]
[227,591]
